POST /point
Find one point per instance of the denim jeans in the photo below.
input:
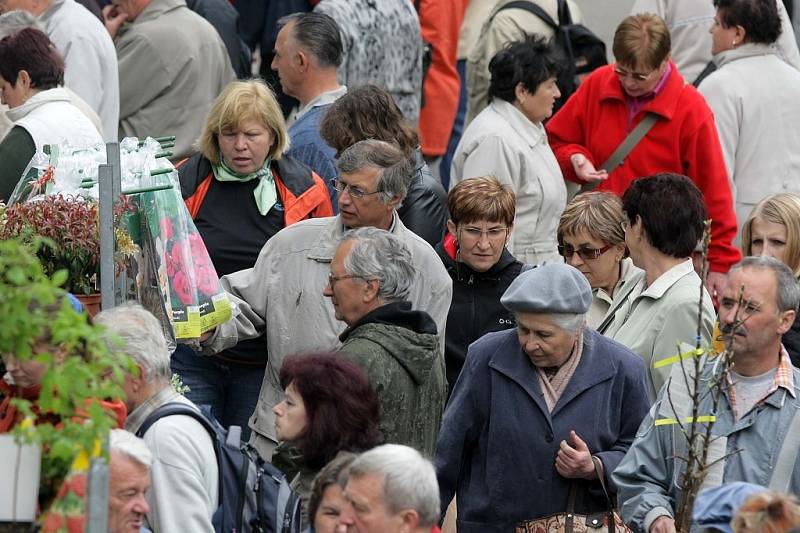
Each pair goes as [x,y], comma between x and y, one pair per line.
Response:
[458,126]
[230,389]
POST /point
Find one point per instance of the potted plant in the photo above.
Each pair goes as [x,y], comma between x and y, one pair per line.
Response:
[68,418]
[64,231]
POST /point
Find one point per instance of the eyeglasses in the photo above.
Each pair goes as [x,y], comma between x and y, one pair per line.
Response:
[333,279]
[587,254]
[493,234]
[355,192]
[635,76]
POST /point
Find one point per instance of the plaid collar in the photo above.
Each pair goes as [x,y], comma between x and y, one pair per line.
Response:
[784,378]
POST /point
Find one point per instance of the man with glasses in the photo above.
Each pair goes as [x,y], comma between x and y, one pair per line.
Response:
[397,346]
[282,294]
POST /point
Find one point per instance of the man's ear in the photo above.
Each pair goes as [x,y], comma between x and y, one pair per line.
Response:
[410,520]
[302,59]
[371,288]
[787,319]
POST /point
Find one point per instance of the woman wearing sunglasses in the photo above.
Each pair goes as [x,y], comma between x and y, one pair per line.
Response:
[591,239]
[644,84]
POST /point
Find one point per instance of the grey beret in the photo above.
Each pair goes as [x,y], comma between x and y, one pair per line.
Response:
[550,288]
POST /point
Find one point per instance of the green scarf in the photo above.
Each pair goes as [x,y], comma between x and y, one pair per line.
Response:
[265,192]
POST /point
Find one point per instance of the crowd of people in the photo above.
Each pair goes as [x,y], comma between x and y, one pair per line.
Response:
[464,298]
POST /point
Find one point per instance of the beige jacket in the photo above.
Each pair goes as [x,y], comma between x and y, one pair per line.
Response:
[602,301]
[500,28]
[282,297]
[502,142]
[172,65]
[657,321]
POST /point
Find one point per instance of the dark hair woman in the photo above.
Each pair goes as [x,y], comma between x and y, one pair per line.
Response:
[328,407]
[657,309]
[369,112]
[31,79]
[507,140]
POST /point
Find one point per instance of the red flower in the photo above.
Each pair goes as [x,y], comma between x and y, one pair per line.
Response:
[75,524]
[78,485]
[53,522]
[176,258]
[207,281]
[181,286]
[166,228]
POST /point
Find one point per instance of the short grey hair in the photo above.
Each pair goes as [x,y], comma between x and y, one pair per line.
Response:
[16,20]
[319,34]
[396,170]
[788,288]
[378,254]
[409,480]
[571,322]
[142,338]
[127,444]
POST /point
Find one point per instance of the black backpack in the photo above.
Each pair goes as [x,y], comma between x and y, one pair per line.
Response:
[254,496]
[582,49]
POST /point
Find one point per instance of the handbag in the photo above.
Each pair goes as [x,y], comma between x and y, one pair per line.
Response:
[571,522]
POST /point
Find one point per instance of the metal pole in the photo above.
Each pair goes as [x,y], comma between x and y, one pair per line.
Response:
[97,505]
[109,177]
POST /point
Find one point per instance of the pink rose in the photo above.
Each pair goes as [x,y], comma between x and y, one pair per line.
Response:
[182,287]
[166,228]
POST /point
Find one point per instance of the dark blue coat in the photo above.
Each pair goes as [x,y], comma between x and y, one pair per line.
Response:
[498,442]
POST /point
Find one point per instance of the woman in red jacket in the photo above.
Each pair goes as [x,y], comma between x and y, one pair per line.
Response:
[614,99]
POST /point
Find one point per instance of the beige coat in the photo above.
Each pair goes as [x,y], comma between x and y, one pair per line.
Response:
[754,96]
[172,65]
[282,297]
[502,142]
[657,321]
[506,26]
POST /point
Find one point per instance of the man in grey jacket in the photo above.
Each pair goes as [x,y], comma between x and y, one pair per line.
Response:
[397,346]
[756,428]
[172,66]
[184,472]
[282,294]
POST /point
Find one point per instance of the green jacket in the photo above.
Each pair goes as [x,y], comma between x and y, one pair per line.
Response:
[399,350]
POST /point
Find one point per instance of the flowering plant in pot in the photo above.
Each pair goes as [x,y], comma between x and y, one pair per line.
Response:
[64,233]
[69,415]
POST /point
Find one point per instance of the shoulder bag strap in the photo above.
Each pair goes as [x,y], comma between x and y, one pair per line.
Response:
[784,466]
[710,67]
[531,7]
[625,147]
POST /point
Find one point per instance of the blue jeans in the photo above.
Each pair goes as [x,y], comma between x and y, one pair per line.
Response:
[458,126]
[230,389]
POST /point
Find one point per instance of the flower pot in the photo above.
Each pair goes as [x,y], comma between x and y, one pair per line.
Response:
[90,302]
[19,485]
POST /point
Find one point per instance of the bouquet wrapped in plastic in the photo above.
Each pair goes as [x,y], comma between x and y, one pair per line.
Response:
[173,276]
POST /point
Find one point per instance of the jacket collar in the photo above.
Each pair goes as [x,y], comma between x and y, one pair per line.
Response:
[138,416]
[531,133]
[59,94]
[665,102]
[743,52]
[155,10]
[511,361]
[331,235]
[47,17]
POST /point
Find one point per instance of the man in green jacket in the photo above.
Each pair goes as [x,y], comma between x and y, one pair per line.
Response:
[398,347]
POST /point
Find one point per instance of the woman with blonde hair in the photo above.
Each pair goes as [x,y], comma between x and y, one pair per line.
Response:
[592,239]
[773,229]
[241,189]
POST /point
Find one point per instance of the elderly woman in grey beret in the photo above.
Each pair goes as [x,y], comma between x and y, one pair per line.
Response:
[538,410]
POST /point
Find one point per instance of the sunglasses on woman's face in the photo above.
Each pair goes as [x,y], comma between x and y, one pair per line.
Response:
[587,254]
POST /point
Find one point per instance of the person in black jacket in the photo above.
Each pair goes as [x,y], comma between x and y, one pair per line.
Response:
[225,19]
[475,255]
[370,112]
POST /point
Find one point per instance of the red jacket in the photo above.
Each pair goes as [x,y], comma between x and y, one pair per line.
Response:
[594,122]
[440,22]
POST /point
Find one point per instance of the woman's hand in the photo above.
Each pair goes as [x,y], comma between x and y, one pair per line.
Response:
[585,170]
[575,461]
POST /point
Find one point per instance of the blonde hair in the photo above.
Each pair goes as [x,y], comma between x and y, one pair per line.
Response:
[783,208]
[767,512]
[483,198]
[641,40]
[597,213]
[238,102]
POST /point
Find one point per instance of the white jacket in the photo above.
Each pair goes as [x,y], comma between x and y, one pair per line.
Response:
[688,22]
[502,142]
[50,118]
[282,296]
[754,96]
[90,59]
